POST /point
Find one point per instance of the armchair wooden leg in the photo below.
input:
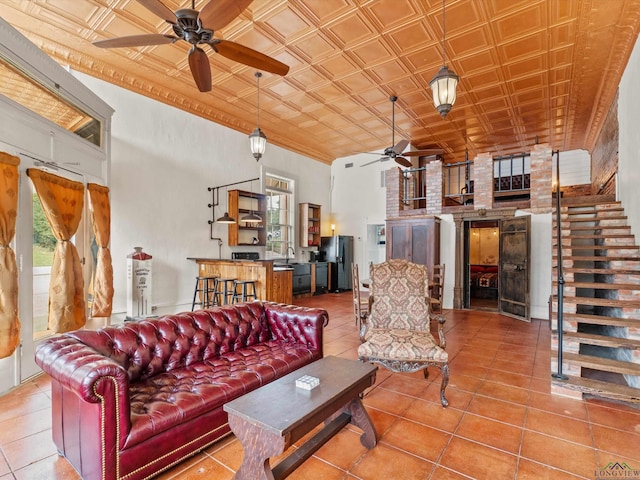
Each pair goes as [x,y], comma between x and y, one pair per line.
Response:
[426,373]
[443,386]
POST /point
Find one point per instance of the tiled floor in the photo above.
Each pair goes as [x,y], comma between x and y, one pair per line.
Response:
[502,423]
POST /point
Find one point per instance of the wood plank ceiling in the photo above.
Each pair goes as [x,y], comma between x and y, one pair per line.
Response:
[546,69]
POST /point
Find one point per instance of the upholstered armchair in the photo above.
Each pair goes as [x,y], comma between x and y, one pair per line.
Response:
[397,334]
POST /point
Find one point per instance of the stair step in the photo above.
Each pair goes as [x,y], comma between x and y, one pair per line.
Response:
[597,258]
[602,364]
[601,320]
[585,228]
[590,209]
[600,389]
[598,247]
[593,219]
[584,200]
[601,271]
[601,285]
[604,340]
[630,236]
[601,302]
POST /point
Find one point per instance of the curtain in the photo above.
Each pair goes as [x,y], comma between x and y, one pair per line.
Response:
[100,209]
[62,202]
[9,320]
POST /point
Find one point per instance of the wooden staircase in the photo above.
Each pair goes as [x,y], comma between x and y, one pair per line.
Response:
[601,302]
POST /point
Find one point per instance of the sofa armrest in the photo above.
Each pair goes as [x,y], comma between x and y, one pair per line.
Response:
[80,369]
[291,323]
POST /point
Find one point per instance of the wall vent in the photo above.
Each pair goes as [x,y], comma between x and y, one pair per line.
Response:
[383,179]
[348,165]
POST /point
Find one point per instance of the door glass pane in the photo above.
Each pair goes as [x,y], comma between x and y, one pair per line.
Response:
[44,243]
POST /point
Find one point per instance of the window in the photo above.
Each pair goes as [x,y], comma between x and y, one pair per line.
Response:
[280,215]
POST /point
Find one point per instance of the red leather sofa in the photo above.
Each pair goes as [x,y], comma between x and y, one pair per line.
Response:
[132,400]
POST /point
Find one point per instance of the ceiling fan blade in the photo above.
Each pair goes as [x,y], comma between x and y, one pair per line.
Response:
[218,14]
[135,41]
[200,68]
[381,159]
[248,56]
[403,161]
[424,153]
[400,146]
[155,6]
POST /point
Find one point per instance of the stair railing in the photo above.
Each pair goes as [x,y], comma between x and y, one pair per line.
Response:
[560,313]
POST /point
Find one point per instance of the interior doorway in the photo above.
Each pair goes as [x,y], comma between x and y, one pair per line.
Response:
[482,258]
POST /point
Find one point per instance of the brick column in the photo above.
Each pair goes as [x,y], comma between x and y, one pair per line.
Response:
[483,181]
[434,179]
[395,186]
[541,178]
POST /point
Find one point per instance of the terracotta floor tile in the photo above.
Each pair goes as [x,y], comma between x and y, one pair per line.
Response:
[441,473]
[24,426]
[457,398]
[503,392]
[205,469]
[463,367]
[53,466]
[490,432]
[508,378]
[478,461]
[559,426]
[178,470]
[13,406]
[27,450]
[417,439]
[558,453]
[612,416]
[381,420]
[432,414]
[464,382]
[607,462]
[528,470]
[316,469]
[4,466]
[342,451]
[513,367]
[386,463]
[388,401]
[230,455]
[506,412]
[613,440]
[560,405]
[413,387]
[541,385]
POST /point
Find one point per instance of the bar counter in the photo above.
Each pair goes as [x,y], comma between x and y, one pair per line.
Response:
[273,286]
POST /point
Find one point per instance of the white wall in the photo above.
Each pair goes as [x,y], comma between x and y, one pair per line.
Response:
[163,160]
[629,141]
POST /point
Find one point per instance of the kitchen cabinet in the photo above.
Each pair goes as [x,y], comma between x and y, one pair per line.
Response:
[416,239]
[282,287]
[301,278]
[310,215]
[242,203]
[321,277]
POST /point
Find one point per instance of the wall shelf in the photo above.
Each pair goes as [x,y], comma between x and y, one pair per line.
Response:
[243,203]
[310,226]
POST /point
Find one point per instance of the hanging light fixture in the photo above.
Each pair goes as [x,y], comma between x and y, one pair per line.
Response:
[257,139]
[252,217]
[443,85]
[226,218]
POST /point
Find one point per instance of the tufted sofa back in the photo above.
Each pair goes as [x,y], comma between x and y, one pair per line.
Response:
[149,347]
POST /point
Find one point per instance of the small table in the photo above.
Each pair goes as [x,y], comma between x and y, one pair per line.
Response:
[271,418]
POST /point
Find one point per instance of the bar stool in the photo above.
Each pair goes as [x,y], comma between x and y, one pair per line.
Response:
[244,294]
[206,287]
[223,290]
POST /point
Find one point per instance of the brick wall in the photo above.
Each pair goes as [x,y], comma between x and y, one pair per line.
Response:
[435,184]
[604,157]
[483,176]
[541,178]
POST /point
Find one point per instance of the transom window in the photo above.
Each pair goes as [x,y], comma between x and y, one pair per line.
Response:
[280,215]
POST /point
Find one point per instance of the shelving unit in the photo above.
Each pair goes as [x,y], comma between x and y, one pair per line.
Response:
[242,203]
[310,214]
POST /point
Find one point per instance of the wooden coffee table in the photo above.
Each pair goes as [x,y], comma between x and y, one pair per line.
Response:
[271,418]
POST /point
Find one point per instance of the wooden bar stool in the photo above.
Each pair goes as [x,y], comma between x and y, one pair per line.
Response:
[244,294]
[205,286]
[223,290]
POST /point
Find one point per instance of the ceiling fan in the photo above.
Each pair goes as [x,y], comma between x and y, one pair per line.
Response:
[395,151]
[197,28]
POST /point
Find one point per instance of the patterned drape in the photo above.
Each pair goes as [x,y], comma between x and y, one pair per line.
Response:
[103,277]
[62,201]
[9,320]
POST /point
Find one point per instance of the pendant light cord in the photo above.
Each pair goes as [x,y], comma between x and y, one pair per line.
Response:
[258,75]
[444,33]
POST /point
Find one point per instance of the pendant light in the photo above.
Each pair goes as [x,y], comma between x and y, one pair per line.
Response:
[443,85]
[257,139]
[226,218]
[251,217]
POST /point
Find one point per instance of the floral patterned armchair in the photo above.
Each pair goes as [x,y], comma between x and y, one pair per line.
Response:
[397,333]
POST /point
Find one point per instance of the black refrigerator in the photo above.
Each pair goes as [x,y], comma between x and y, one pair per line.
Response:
[338,250]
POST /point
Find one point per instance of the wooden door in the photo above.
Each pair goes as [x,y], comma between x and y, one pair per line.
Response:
[514,267]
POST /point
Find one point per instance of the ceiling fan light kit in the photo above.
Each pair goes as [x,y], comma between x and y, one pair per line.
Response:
[197,28]
[444,84]
[257,139]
